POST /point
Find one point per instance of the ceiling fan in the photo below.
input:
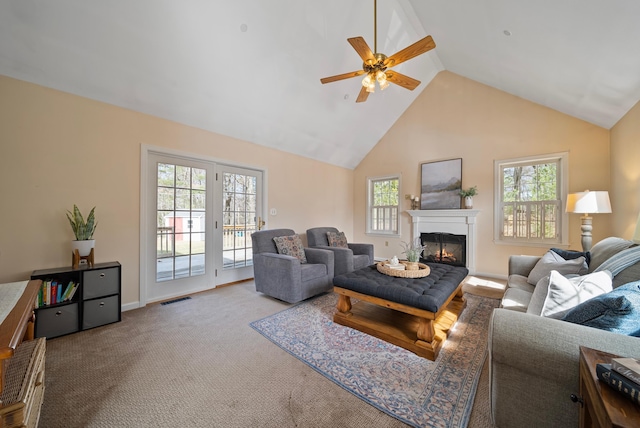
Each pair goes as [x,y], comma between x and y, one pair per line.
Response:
[376,65]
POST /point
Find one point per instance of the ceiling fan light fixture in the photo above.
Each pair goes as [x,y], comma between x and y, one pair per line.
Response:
[368,80]
[381,77]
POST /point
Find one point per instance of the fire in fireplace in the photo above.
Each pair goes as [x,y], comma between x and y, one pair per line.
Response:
[444,248]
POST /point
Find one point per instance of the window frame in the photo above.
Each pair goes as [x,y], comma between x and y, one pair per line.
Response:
[370,184]
[562,159]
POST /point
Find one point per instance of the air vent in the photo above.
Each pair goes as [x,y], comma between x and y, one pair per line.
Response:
[168,302]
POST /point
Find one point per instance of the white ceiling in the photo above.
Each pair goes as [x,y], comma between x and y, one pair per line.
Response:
[251,69]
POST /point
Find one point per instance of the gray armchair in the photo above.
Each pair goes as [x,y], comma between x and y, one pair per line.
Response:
[284,277]
[347,260]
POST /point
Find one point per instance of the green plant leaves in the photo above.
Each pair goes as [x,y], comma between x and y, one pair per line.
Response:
[82,231]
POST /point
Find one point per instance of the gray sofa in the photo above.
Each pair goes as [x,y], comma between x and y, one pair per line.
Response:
[285,277]
[534,360]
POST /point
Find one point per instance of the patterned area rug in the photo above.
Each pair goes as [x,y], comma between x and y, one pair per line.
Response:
[417,391]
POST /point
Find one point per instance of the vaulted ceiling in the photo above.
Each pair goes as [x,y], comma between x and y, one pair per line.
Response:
[251,69]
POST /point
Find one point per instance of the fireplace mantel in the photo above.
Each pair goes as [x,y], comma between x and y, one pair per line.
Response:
[459,222]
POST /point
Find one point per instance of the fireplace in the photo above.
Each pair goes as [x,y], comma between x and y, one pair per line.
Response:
[446,248]
[453,221]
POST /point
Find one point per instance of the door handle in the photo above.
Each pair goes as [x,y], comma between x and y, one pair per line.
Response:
[261,223]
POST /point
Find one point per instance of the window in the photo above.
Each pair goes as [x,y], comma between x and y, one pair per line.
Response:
[529,207]
[383,205]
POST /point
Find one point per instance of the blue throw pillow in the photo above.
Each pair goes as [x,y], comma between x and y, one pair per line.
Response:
[571,254]
[617,311]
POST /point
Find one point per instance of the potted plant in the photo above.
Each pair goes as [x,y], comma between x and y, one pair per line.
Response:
[468,195]
[412,251]
[82,230]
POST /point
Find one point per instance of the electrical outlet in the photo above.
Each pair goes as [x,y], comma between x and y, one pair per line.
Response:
[273,211]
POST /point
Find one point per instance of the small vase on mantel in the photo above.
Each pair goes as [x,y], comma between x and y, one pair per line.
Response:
[468,202]
[468,195]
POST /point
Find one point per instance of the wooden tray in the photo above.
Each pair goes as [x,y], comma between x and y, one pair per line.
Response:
[423,270]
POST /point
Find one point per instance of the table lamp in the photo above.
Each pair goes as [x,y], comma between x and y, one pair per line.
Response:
[588,202]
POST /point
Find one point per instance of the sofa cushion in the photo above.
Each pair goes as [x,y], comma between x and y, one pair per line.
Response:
[310,271]
[617,311]
[520,282]
[291,246]
[606,248]
[516,299]
[337,239]
[553,261]
[538,297]
[563,293]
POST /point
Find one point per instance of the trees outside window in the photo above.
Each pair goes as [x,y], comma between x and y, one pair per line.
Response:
[529,204]
[383,205]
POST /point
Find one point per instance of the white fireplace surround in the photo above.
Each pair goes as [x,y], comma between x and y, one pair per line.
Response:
[459,222]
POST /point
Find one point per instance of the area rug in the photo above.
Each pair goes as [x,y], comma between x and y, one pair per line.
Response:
[417,391]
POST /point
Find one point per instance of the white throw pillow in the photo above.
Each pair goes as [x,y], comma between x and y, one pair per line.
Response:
[566,293]
[553,261]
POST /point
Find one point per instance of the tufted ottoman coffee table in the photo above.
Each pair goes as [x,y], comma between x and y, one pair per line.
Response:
[413,313]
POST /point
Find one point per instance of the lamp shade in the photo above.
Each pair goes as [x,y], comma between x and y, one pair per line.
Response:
[588,202]
[636,235]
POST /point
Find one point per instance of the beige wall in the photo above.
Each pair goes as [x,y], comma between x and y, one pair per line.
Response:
[456,117]
[58,149]
[625,173]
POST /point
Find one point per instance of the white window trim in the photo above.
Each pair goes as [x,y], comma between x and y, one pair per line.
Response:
[370,181]
[563,185]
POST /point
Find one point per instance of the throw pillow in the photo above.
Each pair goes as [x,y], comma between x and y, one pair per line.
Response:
[553,261]
[337,239]
[564,293]
[617,311]
[603,250]
[291,246]
[572,254]
[619,262]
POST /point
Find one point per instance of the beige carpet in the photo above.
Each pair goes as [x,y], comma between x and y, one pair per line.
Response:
[198,363]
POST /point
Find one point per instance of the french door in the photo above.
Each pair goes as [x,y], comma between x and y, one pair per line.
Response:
[196,224]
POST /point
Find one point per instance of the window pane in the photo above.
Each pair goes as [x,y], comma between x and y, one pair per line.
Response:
[198,179]
[183,177]
[183,197]
[198,199]
[165,198]
[166,175]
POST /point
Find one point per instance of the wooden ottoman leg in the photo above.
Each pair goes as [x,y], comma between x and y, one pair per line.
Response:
[426,331]
[344,304]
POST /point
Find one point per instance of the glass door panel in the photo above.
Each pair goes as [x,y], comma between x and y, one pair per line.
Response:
[241,198]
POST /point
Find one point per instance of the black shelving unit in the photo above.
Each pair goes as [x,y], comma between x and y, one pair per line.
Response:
[97,301]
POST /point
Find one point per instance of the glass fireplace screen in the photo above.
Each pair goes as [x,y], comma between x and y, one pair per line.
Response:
[444,248]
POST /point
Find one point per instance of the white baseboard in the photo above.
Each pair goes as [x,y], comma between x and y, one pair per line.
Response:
[130,306]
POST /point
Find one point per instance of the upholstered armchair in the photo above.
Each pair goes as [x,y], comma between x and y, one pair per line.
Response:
[348,256]
[287,277]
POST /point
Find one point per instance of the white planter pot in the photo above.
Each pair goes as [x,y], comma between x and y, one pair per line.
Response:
[83,247]
[468,202]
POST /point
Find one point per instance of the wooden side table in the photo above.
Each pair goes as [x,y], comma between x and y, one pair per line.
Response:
[602,406]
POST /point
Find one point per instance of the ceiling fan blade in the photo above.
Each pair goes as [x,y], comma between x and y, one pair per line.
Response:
[402,80]
[341,76]
[418,48]
[362,48]
[363,95]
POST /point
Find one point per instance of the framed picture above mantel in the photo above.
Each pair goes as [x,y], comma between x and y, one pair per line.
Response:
[440,184]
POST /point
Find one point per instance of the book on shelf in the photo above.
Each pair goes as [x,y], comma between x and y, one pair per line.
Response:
[53,292]
[628,367]
[615,380]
